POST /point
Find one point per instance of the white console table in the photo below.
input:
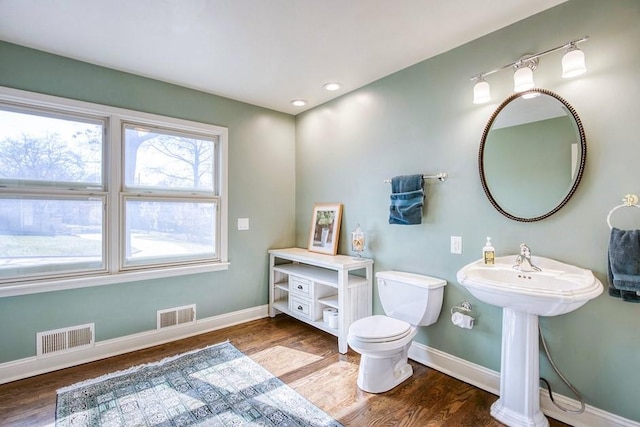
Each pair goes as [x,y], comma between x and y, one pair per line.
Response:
[303,283]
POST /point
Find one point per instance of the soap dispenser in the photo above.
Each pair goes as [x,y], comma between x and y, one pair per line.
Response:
[488,253]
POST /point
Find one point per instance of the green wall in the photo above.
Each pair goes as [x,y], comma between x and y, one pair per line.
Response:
[419,120]
[261,172]
[422,120]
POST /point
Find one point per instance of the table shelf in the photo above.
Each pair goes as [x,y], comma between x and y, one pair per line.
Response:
[339,281]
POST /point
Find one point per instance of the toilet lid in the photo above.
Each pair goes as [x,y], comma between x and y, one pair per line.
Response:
[379,329]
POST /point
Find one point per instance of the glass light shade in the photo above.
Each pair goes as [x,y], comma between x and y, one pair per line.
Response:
[573,63]
[523,79]
[481,92]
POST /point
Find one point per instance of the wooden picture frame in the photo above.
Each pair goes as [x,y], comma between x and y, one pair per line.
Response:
[325,228]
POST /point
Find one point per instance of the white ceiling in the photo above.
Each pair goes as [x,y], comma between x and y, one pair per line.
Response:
[264,52]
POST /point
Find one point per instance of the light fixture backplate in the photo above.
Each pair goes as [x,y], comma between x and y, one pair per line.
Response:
[528,60]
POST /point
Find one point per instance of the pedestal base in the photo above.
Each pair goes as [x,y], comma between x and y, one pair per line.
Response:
[519,403]
[513,418]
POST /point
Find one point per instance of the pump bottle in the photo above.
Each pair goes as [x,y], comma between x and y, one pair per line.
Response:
[488,253]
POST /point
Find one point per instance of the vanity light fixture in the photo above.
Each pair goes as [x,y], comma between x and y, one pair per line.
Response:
[573,62]
[481,91]
[572,65]
[331,86]
[523,79]
[523,76]
[299,102]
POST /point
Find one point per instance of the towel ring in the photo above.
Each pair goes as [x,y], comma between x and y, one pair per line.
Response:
[629,201]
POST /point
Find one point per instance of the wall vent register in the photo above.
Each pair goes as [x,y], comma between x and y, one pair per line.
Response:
[65,340]
[176,316]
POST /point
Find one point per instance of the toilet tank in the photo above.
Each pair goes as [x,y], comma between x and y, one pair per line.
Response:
[414,298]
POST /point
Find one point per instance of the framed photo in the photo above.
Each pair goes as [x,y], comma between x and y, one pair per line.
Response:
[325,228]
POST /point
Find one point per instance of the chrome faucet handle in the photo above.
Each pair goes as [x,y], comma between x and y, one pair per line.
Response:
[525,257]
[525,251]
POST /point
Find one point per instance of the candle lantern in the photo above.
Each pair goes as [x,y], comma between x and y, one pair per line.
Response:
[357,241]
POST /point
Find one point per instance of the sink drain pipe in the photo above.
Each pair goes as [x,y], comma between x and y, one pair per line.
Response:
[562,377]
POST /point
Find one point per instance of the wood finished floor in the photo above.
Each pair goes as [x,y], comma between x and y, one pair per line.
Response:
[304,358]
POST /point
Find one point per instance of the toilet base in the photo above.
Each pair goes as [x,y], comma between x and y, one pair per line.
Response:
[380,374]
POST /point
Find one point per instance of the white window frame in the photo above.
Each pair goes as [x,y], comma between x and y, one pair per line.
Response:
[125,266]
[113,176]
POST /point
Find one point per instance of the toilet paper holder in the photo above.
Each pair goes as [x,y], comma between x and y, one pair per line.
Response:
[461,316]
[463,307]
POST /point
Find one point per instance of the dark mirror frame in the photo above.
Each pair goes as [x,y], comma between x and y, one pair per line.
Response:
[583,156]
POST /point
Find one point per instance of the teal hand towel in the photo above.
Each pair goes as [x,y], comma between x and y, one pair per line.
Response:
[624,264]
[407,200]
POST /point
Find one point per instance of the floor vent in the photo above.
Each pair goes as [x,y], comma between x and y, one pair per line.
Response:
[65,339]
[176,316]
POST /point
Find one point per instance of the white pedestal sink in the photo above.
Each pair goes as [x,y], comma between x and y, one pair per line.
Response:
[558,289]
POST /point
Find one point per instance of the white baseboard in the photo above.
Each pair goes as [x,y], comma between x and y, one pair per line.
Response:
[30,366]
[489,380]
[461,369]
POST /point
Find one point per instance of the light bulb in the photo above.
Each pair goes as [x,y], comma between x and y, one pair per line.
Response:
[332,86]
[573,63]
[523,79]
[299,102]
[481,92]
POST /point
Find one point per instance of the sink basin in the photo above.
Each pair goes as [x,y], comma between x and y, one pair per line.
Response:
[558,289]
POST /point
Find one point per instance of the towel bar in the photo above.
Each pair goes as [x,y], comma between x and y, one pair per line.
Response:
[442,176]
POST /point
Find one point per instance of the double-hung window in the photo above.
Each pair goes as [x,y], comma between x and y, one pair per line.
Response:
[93,194]
[169,203]
[52,217]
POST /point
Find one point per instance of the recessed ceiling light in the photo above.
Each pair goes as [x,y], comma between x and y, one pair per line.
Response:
[331,86]
[299,102]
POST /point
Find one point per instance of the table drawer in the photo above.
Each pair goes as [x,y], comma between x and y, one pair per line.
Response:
[300,306]
[300,286]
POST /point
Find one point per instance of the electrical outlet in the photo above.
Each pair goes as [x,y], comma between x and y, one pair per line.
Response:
[456,245]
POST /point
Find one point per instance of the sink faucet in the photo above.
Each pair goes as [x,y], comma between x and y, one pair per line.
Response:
[525,258]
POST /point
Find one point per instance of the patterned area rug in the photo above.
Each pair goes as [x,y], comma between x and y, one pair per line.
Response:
[215,386]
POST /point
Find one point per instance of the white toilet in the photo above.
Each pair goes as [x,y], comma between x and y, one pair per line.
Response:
[409,300]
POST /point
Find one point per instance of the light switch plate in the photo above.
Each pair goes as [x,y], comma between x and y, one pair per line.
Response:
[456,245]
[243,223]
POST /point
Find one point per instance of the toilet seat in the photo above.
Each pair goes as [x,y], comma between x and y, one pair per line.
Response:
[379,329]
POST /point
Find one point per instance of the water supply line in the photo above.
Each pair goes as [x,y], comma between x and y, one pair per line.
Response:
[562,377]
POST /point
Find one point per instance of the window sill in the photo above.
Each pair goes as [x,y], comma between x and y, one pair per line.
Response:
[26,288]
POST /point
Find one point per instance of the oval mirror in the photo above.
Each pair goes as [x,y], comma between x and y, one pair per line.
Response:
[532,155]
